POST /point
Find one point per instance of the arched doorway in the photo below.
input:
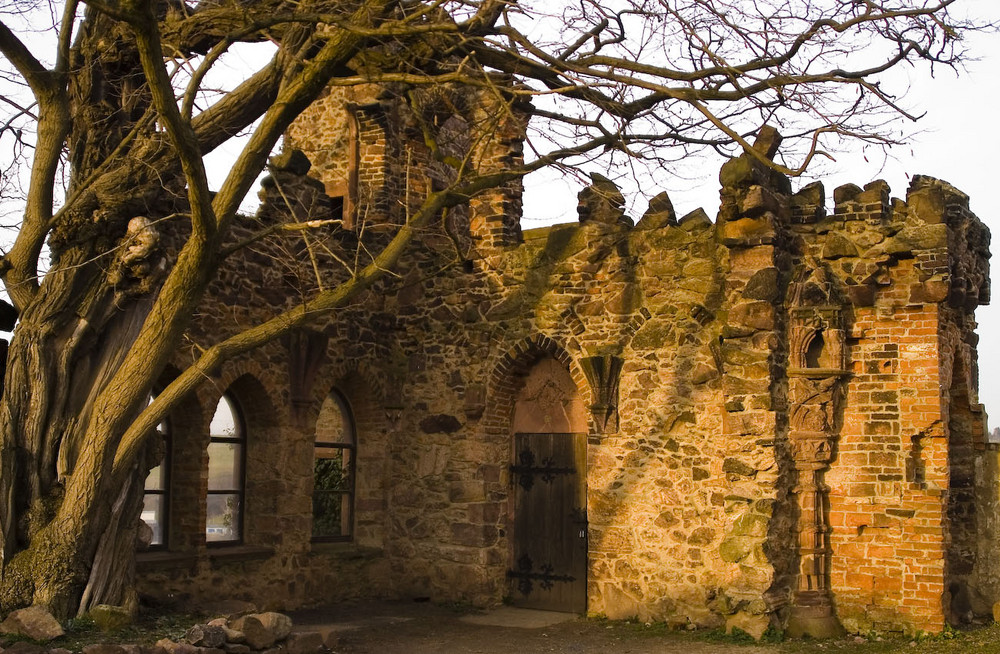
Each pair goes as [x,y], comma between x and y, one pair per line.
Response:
[549,476]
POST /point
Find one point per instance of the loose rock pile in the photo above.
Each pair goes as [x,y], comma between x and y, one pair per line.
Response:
[269,633]
[251,633]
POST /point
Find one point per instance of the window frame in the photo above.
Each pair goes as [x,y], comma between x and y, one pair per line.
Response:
[165,464]
[239,427]
[352,448]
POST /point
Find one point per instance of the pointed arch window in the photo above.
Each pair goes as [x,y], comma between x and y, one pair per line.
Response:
[226,464]
[333,470]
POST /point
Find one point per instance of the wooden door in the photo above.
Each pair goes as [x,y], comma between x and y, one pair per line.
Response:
[549,565]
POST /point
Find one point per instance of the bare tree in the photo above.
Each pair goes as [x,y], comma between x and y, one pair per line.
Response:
[648,80]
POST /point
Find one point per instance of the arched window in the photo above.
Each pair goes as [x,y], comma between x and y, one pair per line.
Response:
[333,471]
[226,458]
[156,498]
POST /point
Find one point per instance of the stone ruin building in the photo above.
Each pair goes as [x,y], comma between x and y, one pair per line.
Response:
[766,420]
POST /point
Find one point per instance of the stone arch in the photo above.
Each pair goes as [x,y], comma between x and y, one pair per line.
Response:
[364,393]
[185,511]
[264,454]
[507,378]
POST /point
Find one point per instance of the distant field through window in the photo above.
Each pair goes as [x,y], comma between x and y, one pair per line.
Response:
[226,458]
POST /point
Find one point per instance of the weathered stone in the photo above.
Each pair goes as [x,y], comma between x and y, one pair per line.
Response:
[255,634]
[744,231]
[206,635]
[813,194]
[738,467]
[930,292]
[695,220]
[702,536]
[33,622]
[279,624]
[659,214]
[602,202]
[110,618]
[846,193]
[838,246]
[755,316]
[754,625]
[768,141]
[440,424]
[759,200]
[236,648]
[763,285]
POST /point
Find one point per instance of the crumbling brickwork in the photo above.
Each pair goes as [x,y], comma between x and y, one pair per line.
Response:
[780,406]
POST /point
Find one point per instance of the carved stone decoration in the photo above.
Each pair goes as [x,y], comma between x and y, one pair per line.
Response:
[817,366]
[603,372]
[306,352]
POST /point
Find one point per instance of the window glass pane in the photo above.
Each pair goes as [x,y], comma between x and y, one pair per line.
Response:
[333,424]
[331,514]
[224,424]
[225,466]
[153,515]
[332,469]
[222,521]
[157,478]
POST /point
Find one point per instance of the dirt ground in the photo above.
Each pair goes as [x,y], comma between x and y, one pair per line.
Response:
[425,628]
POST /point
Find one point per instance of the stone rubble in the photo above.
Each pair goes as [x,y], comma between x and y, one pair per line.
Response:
[271,634]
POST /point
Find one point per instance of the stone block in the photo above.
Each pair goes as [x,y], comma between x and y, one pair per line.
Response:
[759,200]
[846,193]
[110,618]
[930,292]
[696,220]
[255,634]
[763,285]
[204,635]
[748,231]
[755,315]
[440,424]
[33,622]
[659,214]
[838,246]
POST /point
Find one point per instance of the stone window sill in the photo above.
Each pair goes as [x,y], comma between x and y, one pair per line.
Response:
[344,550]
[158,559]
[239,553]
